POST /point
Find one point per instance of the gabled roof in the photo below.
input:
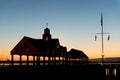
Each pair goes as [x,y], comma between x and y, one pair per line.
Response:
[40,44]
[74,53]
[37,46]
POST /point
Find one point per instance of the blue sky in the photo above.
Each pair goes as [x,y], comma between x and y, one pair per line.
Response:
[74,22]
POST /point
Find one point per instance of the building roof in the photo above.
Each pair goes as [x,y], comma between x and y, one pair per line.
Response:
[34,46]
[74,53]
[41,44]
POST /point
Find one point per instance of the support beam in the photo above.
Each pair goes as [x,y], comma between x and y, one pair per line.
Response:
[20,59]
[33,60]
[27,59]
[12,59]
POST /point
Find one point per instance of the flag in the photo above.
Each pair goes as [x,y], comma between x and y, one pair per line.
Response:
[108,37]
[95,37]
[101,20]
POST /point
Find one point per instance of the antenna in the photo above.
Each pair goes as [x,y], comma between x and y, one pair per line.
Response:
[102,37]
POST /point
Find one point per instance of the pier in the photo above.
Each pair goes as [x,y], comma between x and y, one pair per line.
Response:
[90,70]
[51,60]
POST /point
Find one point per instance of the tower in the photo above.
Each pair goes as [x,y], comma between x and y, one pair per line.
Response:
[46,35]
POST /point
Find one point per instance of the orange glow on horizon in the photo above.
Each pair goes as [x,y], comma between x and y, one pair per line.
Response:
[92,51]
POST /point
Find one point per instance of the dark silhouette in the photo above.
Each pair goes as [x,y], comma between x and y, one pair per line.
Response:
[47,47]
[60,63]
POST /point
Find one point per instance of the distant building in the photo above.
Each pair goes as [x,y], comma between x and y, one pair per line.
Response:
[46,47]
[78,56]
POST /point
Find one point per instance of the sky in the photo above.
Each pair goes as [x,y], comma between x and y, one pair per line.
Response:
[74,22]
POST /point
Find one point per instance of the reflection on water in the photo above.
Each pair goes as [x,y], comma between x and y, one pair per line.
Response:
[107,72]
[114,72]
[111,72]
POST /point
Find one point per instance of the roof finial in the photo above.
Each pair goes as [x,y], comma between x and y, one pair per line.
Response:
[47,24]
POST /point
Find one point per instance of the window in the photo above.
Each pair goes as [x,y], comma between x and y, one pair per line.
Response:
[46,38]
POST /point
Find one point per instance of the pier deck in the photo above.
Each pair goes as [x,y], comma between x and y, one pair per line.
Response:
[83,72]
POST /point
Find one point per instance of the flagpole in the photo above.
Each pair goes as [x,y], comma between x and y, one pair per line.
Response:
[102,38]
[102,35]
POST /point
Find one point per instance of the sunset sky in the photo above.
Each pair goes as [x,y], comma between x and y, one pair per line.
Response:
[74,22]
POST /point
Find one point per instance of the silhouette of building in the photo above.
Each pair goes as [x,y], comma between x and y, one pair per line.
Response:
[77,56]
[46,47]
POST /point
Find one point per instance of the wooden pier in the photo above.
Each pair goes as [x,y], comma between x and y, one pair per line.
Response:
[84,71]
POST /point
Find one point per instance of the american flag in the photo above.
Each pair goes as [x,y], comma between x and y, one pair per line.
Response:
[101,20]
